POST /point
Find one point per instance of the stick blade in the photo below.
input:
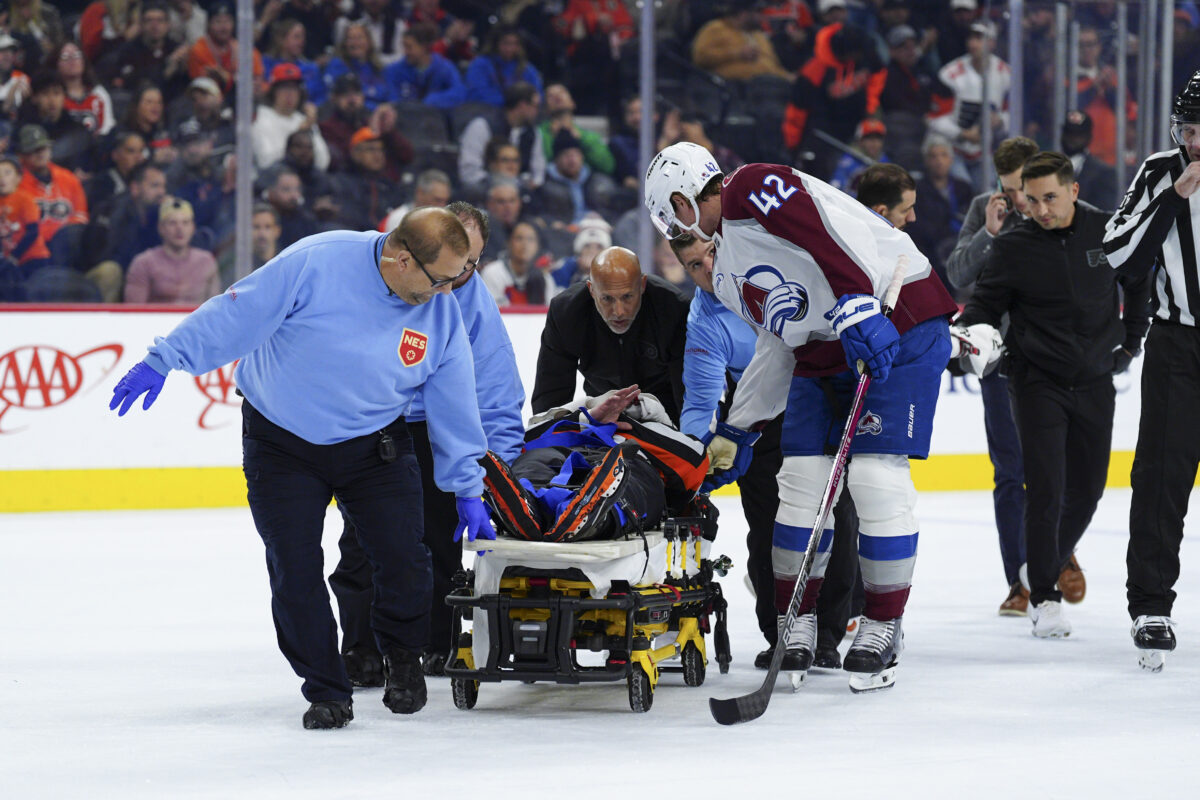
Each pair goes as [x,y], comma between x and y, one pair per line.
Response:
[734,710]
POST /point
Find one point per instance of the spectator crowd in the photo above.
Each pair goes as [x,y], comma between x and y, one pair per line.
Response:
[117,132]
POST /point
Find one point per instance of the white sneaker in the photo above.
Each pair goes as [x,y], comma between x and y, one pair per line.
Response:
[1048,620]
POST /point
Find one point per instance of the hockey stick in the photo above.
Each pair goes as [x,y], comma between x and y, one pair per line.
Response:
[751,706]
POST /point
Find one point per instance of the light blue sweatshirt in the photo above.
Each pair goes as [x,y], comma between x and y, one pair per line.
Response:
[497,381]
[717,340]
[328,354]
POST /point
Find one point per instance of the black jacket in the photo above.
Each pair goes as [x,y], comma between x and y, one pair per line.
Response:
[1061,295]
[649,354]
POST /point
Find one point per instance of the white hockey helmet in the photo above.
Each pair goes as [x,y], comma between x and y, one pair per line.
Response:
[683,168]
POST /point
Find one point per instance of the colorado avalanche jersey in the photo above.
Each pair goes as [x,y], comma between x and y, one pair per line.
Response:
[787,248]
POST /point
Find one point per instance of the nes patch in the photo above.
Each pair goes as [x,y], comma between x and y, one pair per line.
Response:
[413,346]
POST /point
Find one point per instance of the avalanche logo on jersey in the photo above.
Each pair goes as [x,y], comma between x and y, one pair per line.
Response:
[770,301]
[869,423]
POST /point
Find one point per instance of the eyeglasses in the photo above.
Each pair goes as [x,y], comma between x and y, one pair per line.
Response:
[434,283]
[70,55]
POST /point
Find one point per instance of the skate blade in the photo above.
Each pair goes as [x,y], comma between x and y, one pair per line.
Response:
[797,679]
[1152,660]
[863,682]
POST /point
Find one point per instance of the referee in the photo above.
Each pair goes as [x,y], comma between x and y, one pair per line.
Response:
[1156,229]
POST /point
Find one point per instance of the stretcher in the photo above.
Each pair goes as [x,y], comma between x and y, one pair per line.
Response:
[644,603]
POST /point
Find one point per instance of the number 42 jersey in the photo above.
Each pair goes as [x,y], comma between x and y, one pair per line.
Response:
[789,246]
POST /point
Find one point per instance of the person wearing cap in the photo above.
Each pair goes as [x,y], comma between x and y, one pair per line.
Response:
[831,12]
[209,112]
[959,121]
[85,99]
[195,162]
[1154,232]
[288,37]
[214,55]
[285,112]
[153,55]
[868,142]
[14,84]
[594,235]
[422,75]
[955,28]
[20,234]
[1097,180]
[73,146]
[173,272]
[364,191]
[619,327]
[56,190]
[909,86]
[573,188]
[333,338]
[838,87]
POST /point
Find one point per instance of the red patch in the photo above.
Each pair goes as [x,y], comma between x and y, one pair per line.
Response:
[412,347]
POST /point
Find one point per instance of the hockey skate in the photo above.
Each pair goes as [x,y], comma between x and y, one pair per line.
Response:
[1048,620]
[800,641]
[873,657]
[1154,637]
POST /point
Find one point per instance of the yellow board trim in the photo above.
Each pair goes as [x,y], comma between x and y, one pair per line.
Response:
[225,487]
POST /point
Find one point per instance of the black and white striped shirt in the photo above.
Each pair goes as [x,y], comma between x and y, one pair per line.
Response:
[1156,227]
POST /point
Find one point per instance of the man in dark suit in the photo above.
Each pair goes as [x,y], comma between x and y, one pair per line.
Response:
[1097,180]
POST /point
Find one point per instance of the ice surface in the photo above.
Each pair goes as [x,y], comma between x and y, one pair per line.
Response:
[138,660]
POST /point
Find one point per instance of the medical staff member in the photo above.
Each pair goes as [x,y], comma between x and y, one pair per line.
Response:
[334,335]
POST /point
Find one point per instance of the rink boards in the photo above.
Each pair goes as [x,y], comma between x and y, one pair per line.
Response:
[62,449]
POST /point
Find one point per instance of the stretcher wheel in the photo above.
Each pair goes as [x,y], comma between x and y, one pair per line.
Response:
[641,693]
[466,692]
[693,664]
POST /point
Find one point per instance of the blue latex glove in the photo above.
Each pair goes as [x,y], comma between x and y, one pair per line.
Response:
[866,334]
[725,469]
[142,378]
[473,518]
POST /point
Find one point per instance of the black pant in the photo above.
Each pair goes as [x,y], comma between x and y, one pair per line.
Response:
[351,580]
[842,594]
[760,502]
[1004,449]
[1066,435]
[289,485]
[1164,466]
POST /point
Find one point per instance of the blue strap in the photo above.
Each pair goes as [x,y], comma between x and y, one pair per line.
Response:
[592,436]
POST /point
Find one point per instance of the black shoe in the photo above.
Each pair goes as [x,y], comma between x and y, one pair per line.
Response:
[596,497]
[404,692]
[364,667]
[328,714]
[512,503]
[827,658]
[796,660]
[434,664]
[763,659]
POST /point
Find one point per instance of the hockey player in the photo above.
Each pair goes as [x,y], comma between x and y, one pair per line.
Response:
[335,335]
[804,264]
[1157,225]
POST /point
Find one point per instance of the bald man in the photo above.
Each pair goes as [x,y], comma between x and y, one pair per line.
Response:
[617,329]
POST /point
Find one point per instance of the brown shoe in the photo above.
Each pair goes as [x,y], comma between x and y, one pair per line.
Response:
[1071,582]
[1017,602]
